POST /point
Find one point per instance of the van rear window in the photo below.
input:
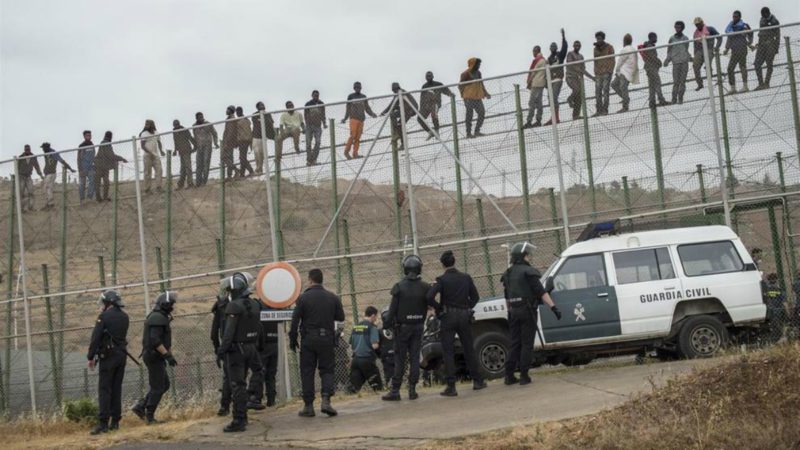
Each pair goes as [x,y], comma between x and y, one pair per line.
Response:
[710,258]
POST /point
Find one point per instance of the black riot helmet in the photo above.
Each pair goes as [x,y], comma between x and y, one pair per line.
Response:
[519,250]
[385,315]
[166,301]
[412,264]
[239,284]
[111,297]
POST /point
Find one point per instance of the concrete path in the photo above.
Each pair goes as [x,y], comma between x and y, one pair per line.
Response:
[368,422]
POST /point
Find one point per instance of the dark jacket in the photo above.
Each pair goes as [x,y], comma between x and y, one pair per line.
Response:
[242,324]
[86,157]
[456,290]
[359,108]
[106,159]
[204,135]
[28,165]
[410,301]
[769,40]
[522,286]
[433,97]
[410,106]
[557,58]
[314,113]
[110,332]
[51,160]
[184,142]
[317,308]
[650,57]
[269,126]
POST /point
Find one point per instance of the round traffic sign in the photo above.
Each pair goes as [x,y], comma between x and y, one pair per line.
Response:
[278,285]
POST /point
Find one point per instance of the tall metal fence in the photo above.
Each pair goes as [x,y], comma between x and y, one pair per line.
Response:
[709,157]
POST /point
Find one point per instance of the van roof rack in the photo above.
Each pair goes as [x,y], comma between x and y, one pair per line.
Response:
[599,229]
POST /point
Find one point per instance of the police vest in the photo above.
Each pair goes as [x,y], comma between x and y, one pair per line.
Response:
[248,325]
[157,318]
[412,306]
[270,330]
[517,281]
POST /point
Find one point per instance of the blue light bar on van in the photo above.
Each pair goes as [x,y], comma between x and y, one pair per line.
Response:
[595,230]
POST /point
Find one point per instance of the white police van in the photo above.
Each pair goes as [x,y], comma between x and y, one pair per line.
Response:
[681,292]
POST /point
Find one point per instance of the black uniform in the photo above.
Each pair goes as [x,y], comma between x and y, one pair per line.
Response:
[314,315]
[240,345]
[407,317]
[109,340]
[157,331]
[217,330]
[523,292]
[458,295]
[265,381]
[386,349]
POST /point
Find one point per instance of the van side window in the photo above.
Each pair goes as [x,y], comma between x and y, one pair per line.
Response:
[581,272]
[638,266]
[710,258]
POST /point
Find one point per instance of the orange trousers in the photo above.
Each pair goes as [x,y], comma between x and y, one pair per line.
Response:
[356,128]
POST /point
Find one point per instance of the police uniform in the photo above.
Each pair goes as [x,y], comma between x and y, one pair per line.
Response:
[523,292]
[363,368]
[264,382]
[457,296]
[108,344]
[313,320]
[157,332]
[240,346]
[386,349]
[217,330]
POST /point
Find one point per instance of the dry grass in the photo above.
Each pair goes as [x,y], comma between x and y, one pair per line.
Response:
[752,401]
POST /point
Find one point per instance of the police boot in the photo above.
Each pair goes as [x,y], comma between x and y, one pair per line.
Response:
[392,396]
[450,391]
[271,400]
[101,427]
[326,407]
[477,385]
[235,426]
[510,379]
[255,404]
[114,425]
[307,411]
[223,411]
[138,409]
[412,392]
[524,379]
[151,419]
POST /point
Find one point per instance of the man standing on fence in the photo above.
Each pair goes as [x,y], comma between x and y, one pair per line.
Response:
[473,92]
[576,70]
[556,58]
[245,138]
[457,296]
[156,353]
[537,81]
[737,45]
[603,69]
[260,142]
[769,41]
[678,55]
[365,341]
[86,167]
[315,122]
[204,136]
[108,346]
[292,126]
[313,318]
[153,151]
[26,165]
[51,160]
[105,161]
[230,139]
[356,109]
[652,66]
[264,383]
[184,147]
[217,331]
[410,109]
[430,101]
[626,72]
[707,31]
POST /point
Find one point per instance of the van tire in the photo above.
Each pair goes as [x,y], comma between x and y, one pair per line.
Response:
[702,337]
[491,350]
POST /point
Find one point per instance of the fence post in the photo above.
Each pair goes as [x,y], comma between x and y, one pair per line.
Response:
[335,203]
[412,207]
[24,273]
[793,89]
[587,142]
[626,194]
[703,197]
[459,189]
[140,215]
[557,149]
[85,383]
[50,336]
[657,152]
[12,213]
[350,275]
[787,219]
[62,274]
[776,246]
[199,372]
[398,209]
[554,214]
[160,267]
[141,381]
[168,262]
[101,268]
[486,257]
[523,158]
[223,183]
[114,231]
[712,101]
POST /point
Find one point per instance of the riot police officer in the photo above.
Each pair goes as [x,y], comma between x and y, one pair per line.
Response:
[457,296]
[109,340]
[386,348]
[313,318]
[240,345]
[524,292]
[217,330]
[156,346]
[407,313]
[264,382]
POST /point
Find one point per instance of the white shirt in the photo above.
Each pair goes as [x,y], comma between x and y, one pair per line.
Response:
[628,64]
[149,142]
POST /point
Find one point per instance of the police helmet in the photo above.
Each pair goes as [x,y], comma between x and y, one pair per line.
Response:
[519,250]
[412,264]
[166,301]
[111,297]
[239,284]
[385,315]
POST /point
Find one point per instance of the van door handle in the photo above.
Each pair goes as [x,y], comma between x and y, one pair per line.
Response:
[603,294]
[671,288]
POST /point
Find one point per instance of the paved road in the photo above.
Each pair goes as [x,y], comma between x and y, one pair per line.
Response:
[368,422]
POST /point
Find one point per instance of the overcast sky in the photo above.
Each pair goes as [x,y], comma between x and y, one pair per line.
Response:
[66,66]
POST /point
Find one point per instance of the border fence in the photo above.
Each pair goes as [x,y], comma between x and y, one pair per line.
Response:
[710,157]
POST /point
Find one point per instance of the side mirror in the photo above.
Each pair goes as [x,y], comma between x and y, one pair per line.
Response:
[548,285]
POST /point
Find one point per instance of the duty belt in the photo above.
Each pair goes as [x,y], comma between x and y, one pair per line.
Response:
[319,331]
[463,308]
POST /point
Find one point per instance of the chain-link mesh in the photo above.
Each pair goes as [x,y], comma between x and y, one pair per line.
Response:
[488,171]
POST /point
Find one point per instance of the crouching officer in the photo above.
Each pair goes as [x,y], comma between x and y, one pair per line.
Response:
[524,293]
[156,346]
[365,341]
[265,381]
[109,340]
[457,296]
[386,348]
[217,331]
[313,317]
[240,345]
[407,313]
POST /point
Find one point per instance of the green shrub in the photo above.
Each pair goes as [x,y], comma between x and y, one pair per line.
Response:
[84,409]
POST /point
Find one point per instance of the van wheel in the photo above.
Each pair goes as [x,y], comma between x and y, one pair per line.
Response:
[702,337]
[491,350]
